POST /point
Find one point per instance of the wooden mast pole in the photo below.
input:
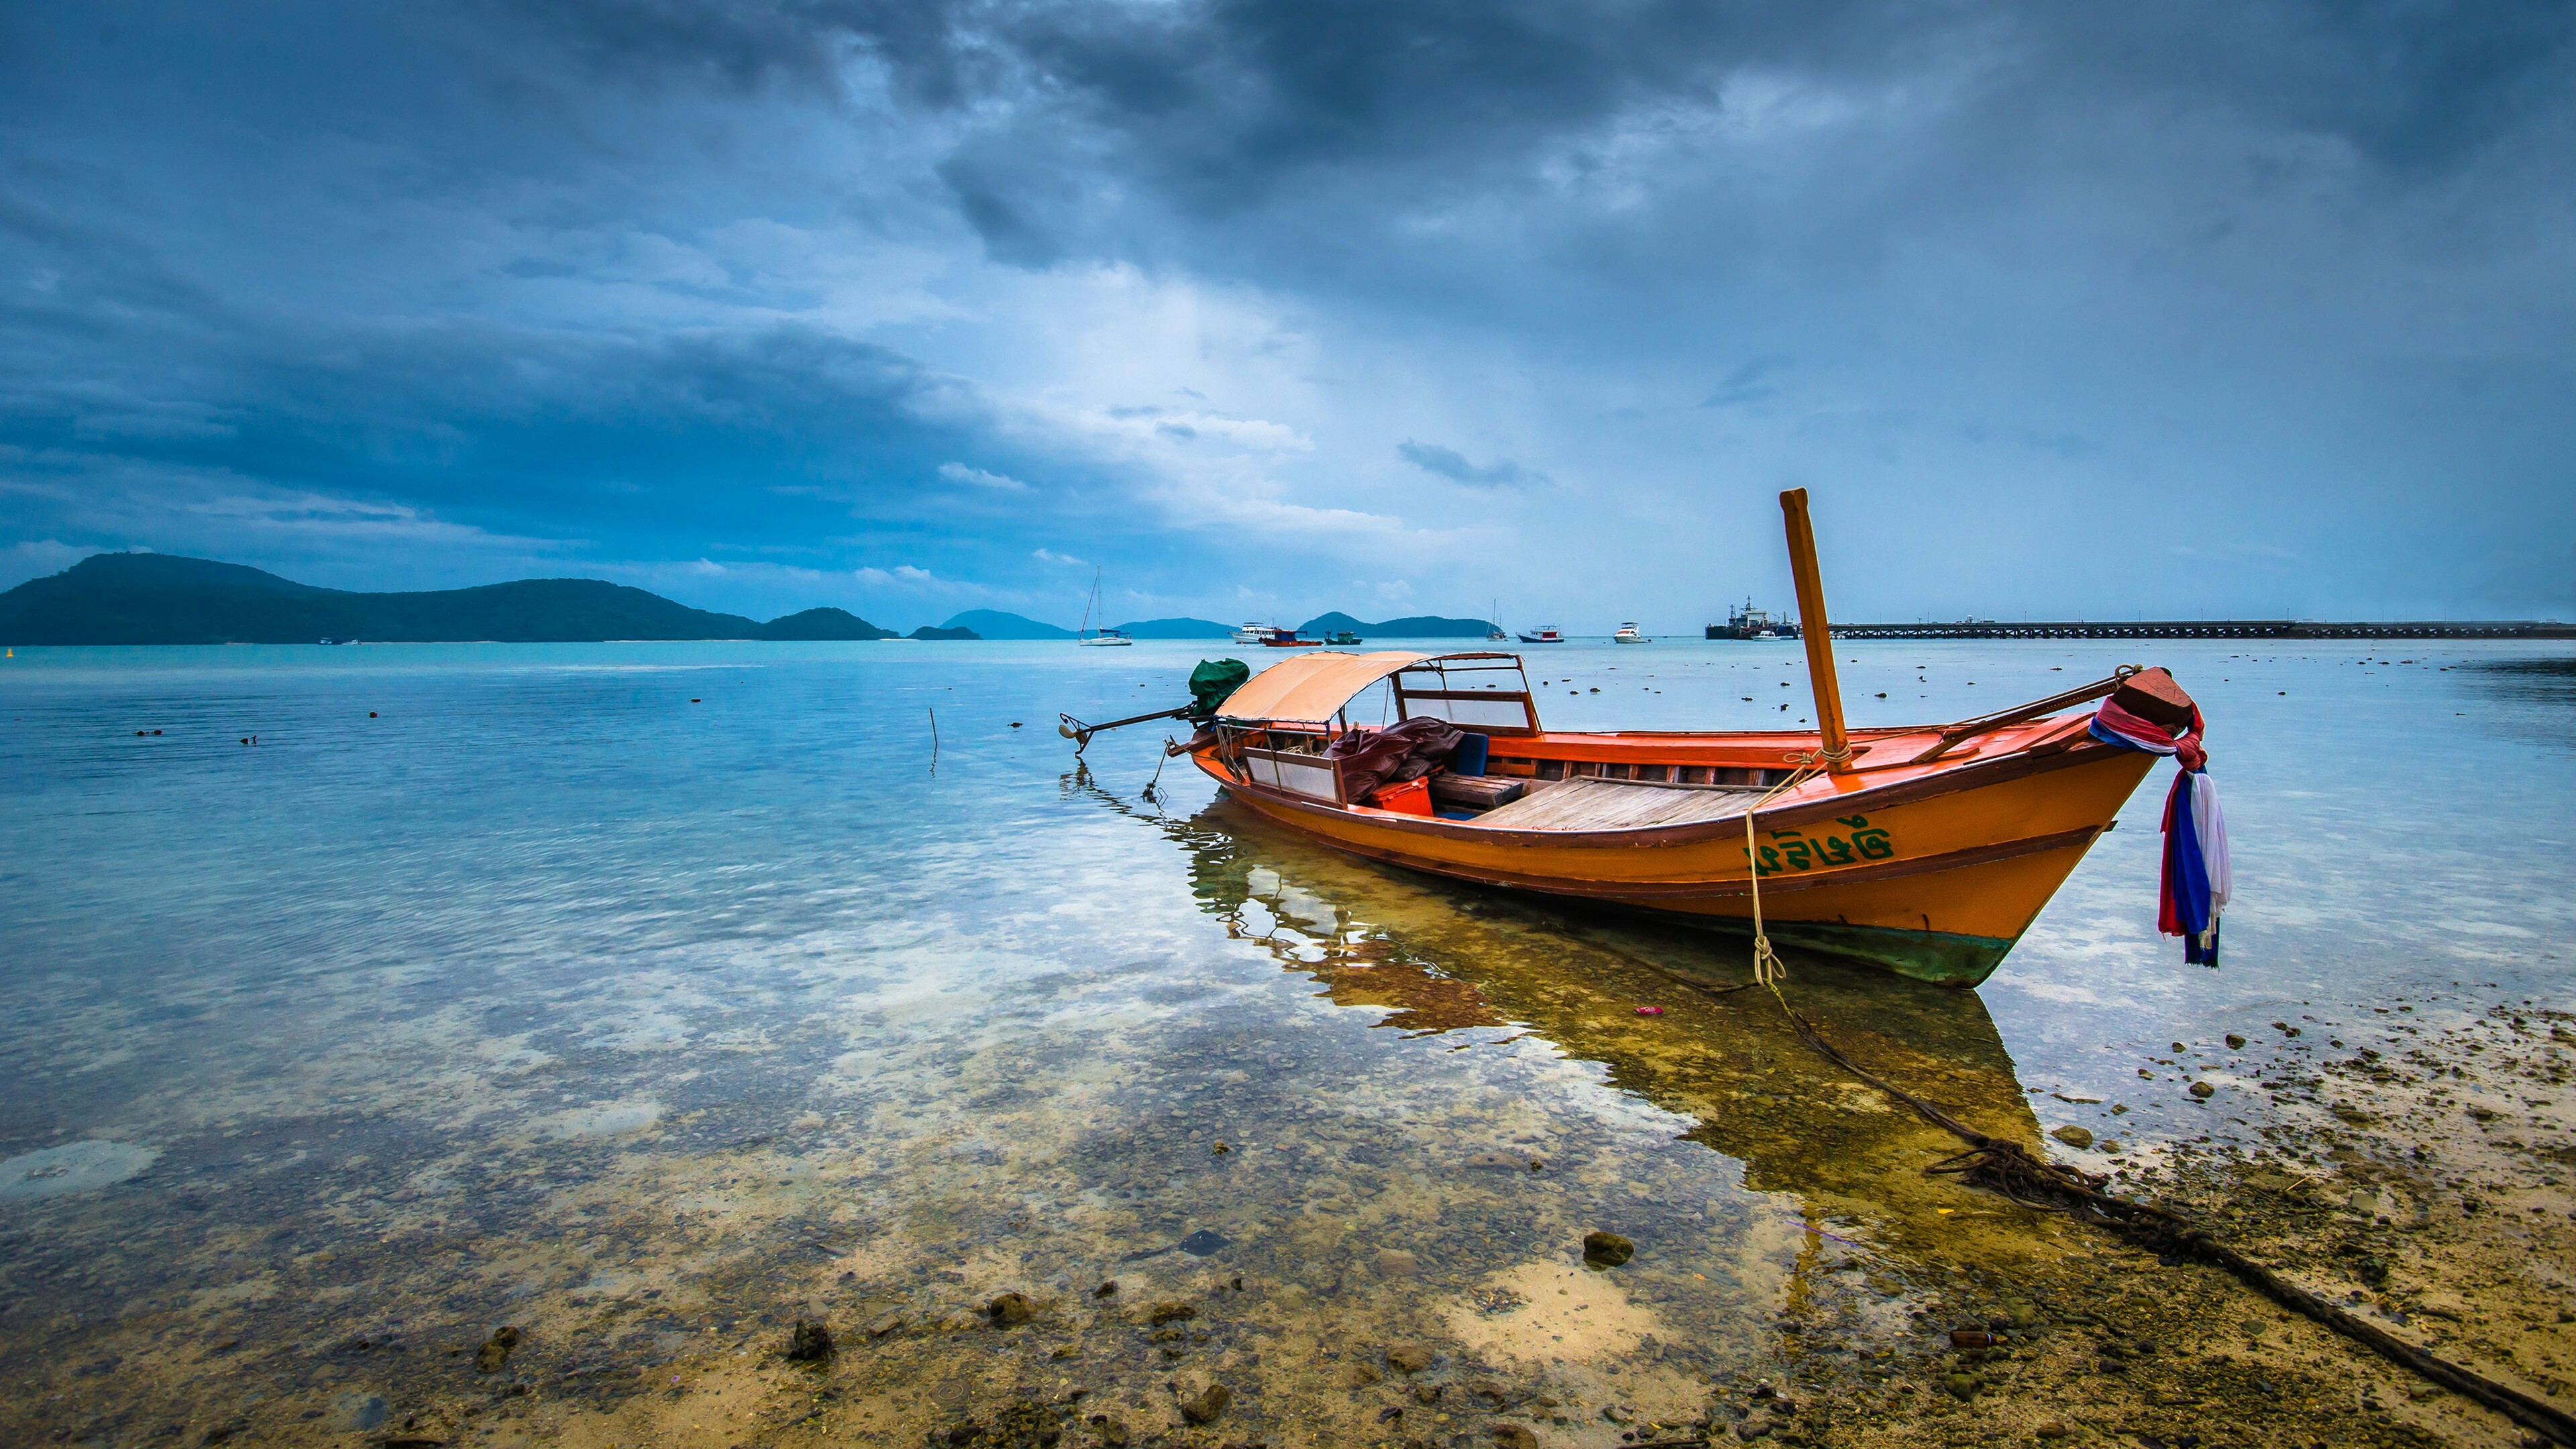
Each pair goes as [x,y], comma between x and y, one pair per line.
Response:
[1815,632]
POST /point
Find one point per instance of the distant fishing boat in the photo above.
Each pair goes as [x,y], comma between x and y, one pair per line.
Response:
[1926,849]
[1343,636]
[1628,634]
[1278,638]
[1547,634]
[1103,637]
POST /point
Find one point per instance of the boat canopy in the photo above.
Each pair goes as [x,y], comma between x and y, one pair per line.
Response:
[1312,688]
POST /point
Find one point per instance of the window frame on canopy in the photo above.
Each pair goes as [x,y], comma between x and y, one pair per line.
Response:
[1445,700]
[1252,748]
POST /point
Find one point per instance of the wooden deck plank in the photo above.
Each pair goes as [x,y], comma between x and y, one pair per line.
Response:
[1592,804]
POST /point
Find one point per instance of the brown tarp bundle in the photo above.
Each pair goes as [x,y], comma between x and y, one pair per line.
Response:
[1409,751]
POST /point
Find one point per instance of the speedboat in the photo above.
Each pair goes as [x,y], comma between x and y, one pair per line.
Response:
[1547,634]
[1628,635]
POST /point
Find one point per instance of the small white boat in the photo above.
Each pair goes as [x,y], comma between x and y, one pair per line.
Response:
[1628,635]
[1103,637]
[1252,633]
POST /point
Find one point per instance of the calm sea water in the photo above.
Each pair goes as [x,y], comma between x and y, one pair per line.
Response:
[639,993]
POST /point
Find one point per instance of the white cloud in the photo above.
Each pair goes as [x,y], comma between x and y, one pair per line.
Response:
[1258,434]
[979,478]
[911,579]
[323,516]
[36,557]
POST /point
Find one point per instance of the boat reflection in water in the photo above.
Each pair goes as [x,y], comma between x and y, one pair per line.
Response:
[1486,967]
[1442,959]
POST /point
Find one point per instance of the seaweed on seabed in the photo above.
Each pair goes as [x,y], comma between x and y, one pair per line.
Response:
[809,1343]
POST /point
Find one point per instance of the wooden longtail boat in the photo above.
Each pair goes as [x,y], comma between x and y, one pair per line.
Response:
[1925,849]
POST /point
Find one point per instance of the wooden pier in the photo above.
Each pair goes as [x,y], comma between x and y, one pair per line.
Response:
[2284,630]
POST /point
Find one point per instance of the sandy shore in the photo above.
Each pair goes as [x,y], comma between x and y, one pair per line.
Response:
[2411,1165]
[1425,1283]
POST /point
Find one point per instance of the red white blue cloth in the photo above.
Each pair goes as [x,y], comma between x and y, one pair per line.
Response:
[2198,879]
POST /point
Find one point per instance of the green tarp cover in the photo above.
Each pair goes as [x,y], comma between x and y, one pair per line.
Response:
[1211,683]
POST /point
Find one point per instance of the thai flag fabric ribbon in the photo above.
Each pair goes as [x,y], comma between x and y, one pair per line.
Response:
[2113,725]
[2188,903]
[2198,877]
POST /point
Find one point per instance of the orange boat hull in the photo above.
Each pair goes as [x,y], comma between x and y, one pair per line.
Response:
[1932,871]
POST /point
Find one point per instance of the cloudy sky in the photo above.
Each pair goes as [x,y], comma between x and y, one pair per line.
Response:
[2249,307]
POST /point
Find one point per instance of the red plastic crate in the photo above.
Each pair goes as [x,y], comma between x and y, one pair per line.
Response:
[1413,797]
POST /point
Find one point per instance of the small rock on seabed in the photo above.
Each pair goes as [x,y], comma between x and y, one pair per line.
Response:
[1010,1310]
[1207,1405]
[1607,1250]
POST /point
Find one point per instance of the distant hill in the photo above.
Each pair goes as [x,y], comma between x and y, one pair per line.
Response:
[994,624]
[1416,626]
[1176,629]
[825,623]
[151,598]
[927,632]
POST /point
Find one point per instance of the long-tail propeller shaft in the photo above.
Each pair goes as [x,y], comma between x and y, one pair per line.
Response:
[1080,733]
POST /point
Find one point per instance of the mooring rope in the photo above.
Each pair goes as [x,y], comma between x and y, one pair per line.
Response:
[2009,1169]
[1768,969]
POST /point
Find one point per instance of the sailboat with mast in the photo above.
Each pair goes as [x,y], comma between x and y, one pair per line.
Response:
[1104,636]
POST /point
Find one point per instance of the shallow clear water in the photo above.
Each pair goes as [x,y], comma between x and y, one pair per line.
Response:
[639,992]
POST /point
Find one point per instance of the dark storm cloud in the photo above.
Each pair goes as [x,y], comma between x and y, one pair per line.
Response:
[1221,106]
[754,439]
[124,383]
[806,43]
[668,278]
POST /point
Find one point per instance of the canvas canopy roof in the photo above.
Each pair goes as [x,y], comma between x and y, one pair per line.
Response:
[1311,688]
